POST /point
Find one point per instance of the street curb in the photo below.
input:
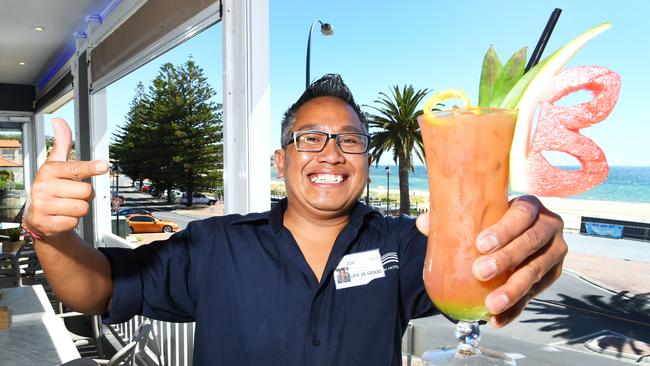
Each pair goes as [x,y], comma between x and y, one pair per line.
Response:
[593,345]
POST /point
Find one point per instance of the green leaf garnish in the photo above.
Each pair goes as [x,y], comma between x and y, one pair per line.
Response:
[508,77]
[489,74]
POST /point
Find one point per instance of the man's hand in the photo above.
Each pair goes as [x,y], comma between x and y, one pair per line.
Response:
[528,242]
[58,195]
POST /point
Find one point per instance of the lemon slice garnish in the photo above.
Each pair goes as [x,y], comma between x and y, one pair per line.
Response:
[438,98]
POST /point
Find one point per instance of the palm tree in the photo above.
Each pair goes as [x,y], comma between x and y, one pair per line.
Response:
[399,131]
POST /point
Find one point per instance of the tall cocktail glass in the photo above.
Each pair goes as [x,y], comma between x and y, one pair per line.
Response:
[467,153]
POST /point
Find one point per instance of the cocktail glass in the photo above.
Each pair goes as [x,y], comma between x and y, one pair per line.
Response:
[467,153]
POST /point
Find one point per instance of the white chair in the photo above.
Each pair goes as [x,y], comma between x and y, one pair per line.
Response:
[127,354]
[122,357]
[85,343]
[147,352]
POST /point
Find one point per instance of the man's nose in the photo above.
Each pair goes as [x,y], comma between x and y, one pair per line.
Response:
[331,153]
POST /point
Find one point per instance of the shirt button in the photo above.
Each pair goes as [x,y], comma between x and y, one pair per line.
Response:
[316,342]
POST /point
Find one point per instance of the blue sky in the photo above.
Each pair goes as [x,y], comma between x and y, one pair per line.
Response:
[435,45]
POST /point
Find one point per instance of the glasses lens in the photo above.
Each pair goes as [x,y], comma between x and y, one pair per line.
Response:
[310,141]
[353,143]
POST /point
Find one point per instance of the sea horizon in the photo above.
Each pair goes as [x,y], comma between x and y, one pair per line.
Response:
[623,184]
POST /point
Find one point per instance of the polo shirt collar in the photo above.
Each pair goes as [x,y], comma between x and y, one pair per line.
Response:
[275,217]
[359,213]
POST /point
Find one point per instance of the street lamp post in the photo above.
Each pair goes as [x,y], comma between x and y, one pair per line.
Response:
[387,190]
[116,171]
[368,190]
[327,30]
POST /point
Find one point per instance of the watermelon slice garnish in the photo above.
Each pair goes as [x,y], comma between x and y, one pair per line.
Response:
[558,130]
[558,127]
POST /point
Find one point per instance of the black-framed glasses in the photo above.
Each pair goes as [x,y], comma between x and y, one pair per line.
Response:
[315,141]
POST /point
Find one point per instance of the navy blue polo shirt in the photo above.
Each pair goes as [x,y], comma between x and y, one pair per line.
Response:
[256,301]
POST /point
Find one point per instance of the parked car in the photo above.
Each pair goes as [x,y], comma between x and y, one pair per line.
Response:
[126,211]
[150,224]
[199,199]
[176,194]
[146,186]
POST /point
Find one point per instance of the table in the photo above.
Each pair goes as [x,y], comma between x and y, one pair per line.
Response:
[36,336]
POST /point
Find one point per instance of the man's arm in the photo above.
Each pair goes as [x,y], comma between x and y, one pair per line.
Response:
[79,274]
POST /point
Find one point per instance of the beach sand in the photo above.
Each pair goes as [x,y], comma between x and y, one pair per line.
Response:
[572,209]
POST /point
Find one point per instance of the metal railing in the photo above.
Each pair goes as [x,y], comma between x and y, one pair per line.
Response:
[175,340]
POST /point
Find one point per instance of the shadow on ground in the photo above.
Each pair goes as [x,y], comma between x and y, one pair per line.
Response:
[578,320]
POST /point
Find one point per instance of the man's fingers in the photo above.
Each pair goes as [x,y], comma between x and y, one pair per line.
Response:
[73,189]
[75,169]
[520,216]
[532,276]
[62,140]
[513,254]
[502,319]
[46,225]
[67,207]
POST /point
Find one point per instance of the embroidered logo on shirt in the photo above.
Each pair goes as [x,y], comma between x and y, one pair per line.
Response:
[390,261]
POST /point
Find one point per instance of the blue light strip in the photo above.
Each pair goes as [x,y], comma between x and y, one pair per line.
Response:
[70,51]
[109,8]
[56,67]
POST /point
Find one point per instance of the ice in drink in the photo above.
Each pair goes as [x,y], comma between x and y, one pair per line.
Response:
[467,152]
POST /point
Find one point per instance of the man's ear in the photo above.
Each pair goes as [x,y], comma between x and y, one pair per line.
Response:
[369,160]
[279,161]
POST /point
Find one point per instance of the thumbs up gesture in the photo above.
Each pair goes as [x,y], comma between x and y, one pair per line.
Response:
[58,196]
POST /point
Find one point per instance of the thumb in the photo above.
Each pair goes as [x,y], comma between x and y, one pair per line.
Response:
[62,140]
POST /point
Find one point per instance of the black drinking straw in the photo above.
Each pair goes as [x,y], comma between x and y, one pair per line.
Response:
[541,44]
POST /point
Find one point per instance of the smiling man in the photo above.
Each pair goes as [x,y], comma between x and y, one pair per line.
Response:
[266,288]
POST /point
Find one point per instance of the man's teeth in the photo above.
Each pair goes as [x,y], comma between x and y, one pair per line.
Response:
[326,178]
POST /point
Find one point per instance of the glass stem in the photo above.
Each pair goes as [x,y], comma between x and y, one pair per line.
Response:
[468,335]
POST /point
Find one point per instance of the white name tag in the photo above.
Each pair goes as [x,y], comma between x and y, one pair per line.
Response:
[358,269]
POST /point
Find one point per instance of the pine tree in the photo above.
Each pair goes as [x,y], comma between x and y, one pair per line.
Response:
[165,109]
[173,133]
[126,149]
[198,132]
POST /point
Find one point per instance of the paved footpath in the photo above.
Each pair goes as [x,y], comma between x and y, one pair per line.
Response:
[615,264]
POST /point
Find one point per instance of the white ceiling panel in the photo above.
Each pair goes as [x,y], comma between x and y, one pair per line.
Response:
[40,51]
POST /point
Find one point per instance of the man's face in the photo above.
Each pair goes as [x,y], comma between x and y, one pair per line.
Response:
[326,183]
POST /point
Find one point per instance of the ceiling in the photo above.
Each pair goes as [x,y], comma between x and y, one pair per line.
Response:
[40,51]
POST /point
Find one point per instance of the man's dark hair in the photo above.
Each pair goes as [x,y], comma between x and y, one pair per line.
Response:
[330,85]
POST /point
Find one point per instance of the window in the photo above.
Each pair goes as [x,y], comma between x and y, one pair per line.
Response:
[153,157]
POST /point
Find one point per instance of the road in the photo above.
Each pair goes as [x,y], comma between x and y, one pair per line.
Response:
[556,326]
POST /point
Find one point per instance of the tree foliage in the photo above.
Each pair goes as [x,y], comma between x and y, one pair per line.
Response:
[173,133]
[398,131]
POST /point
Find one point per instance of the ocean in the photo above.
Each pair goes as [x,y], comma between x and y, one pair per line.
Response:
[624,184]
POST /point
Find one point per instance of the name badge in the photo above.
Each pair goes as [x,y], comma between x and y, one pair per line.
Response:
[358,269]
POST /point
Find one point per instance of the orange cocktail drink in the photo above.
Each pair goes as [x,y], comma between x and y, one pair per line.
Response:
[467,152]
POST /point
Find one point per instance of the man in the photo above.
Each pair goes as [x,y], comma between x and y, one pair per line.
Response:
[261,287]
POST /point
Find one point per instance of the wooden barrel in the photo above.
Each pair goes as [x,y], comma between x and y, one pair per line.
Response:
[11,201]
